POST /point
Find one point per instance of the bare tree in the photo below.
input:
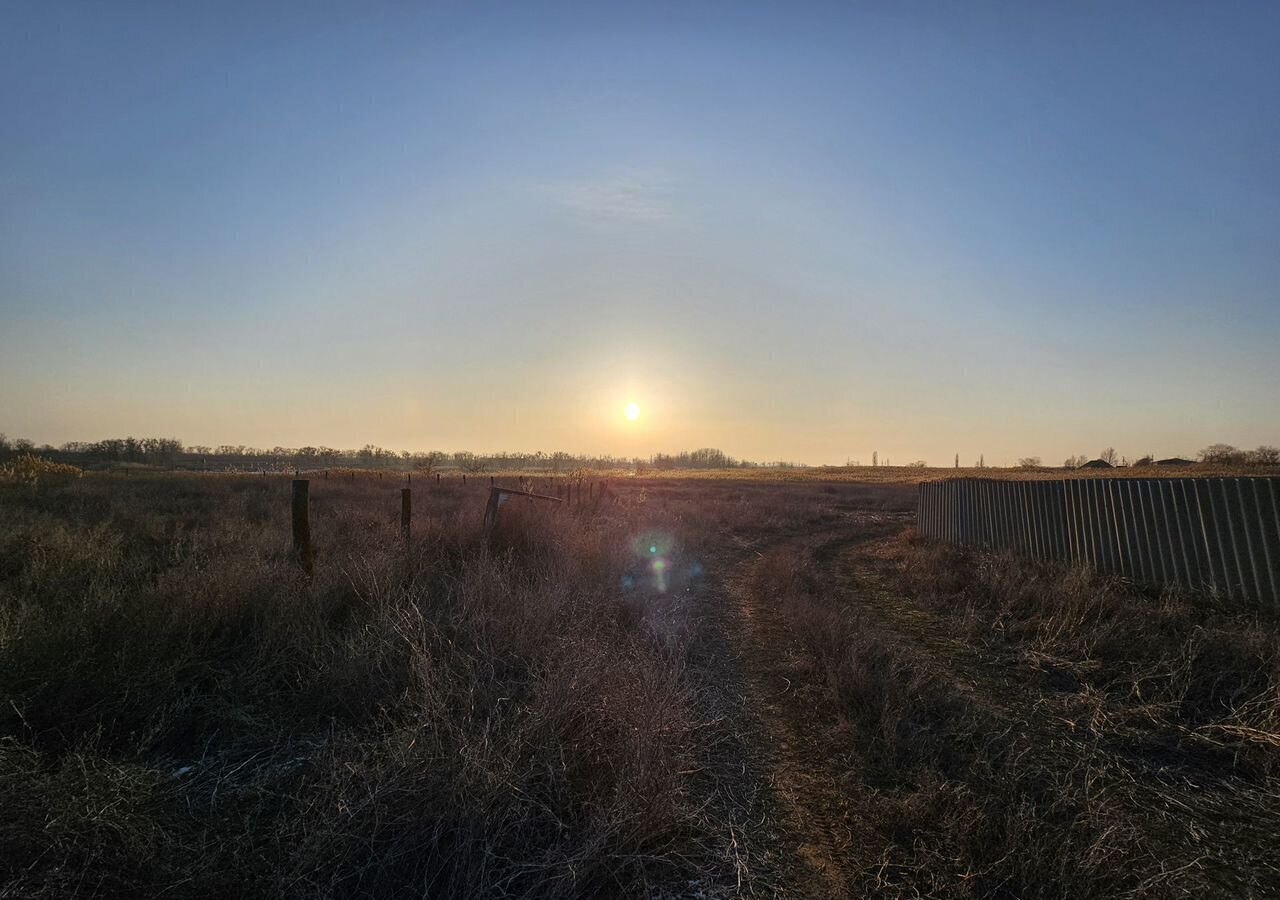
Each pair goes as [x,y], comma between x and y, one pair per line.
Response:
[957,460]
[1224,454]
[428,462]
[875,458]
[1029,462]
[1265,455]
[1109,456]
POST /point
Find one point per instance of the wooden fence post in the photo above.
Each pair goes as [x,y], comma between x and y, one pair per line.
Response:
[302,524]
[406,512]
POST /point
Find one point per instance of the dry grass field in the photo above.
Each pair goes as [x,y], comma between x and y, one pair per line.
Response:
[697,687]
[888,474]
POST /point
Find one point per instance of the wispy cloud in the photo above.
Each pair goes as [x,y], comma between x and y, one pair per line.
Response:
[624,196]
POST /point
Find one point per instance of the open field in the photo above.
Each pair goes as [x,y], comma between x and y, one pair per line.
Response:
[709,687]
[814,474]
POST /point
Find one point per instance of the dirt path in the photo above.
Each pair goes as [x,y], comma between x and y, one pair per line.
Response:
[805,812]
[807,831]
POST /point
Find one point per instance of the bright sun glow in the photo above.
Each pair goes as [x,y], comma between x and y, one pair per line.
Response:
[631,411]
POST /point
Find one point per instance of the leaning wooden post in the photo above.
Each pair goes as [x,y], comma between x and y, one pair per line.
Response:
[302,523]
[406,512]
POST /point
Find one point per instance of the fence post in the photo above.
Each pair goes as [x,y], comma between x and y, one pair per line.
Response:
[406,512]
[302,524]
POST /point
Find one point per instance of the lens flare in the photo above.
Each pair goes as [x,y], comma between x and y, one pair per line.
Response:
[631,411]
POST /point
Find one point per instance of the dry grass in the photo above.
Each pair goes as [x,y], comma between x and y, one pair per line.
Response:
[903,475]
[184,712]
[532,712]
[471,715]
[1153,775]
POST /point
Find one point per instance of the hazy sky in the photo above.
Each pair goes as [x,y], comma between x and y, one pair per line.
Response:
[786,230]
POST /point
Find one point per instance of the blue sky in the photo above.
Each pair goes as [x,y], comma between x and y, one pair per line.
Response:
[791,231]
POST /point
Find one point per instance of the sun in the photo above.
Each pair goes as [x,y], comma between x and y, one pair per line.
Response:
[631,411]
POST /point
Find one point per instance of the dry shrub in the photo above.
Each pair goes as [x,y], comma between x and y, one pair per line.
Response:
[29,468]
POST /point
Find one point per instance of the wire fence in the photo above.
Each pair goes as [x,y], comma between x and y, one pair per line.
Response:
[1216,535]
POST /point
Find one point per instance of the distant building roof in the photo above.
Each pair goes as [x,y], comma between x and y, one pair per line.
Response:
[1097,464]
[1174,461]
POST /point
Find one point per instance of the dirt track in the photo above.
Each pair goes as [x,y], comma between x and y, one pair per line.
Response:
[800,830]
[801,795]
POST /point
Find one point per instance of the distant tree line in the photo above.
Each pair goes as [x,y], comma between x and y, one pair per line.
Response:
[172,452]
[1216,454]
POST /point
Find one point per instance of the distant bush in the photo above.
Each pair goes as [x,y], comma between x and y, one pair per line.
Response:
[29,467]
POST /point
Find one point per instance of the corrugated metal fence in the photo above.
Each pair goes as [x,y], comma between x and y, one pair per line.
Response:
[1219,535]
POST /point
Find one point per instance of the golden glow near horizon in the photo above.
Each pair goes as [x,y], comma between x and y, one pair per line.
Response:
[631,411]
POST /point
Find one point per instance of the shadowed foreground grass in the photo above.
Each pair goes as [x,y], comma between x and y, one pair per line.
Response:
[466,716]
[1026,730]
[463,717]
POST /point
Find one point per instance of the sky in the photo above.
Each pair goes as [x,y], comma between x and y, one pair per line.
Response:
[791,231]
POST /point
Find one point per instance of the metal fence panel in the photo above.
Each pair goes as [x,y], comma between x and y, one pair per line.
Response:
[1217,535]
